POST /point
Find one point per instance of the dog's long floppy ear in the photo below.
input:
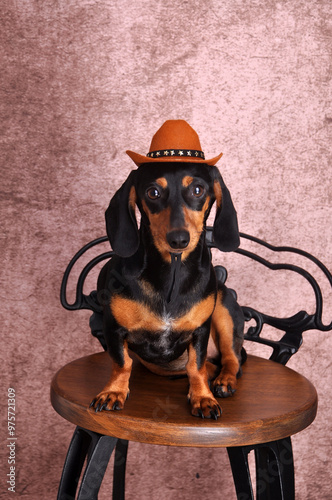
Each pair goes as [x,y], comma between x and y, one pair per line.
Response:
[121,224]
[225,228]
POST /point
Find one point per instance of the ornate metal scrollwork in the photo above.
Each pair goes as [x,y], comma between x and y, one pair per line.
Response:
[291,328]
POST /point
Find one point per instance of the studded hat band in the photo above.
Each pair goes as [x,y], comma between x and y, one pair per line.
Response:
[176,152]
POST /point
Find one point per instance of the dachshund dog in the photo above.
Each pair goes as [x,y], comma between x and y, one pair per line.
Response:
[171,300]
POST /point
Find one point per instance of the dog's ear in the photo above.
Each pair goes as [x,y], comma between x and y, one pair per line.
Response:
[225,228]
[121,224]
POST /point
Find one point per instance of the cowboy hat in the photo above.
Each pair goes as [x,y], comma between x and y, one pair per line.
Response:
[176,140]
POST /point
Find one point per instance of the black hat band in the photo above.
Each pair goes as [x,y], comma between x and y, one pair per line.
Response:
[186,153]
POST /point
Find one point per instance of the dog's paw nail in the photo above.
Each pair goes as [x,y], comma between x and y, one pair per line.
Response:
[116,406]
[219,410]
[221,391]
[216,412]
[217,391]
[92,403]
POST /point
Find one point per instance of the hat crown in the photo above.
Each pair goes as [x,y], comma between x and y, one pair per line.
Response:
[175,134]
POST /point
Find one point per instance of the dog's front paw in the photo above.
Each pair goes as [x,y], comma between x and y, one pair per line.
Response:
[224,386]
[108,400]
[205,407]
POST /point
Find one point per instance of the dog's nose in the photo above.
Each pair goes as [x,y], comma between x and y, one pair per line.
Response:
[178,238]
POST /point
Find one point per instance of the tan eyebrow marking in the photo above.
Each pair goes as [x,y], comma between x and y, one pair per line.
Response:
[187,180]
[162,182]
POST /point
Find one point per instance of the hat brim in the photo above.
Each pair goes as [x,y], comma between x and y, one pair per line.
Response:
[140,159]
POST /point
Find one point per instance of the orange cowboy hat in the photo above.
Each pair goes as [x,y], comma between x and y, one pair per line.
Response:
[176,140]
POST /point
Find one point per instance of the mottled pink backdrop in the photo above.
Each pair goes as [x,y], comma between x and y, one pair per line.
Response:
[81,82]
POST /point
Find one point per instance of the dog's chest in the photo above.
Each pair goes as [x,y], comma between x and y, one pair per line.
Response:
[137,316]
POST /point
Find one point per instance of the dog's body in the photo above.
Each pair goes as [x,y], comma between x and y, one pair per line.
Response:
[169,301]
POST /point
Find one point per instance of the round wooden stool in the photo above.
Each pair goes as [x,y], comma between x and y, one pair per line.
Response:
[272,403]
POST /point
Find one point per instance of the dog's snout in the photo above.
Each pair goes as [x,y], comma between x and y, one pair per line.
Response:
[178,238]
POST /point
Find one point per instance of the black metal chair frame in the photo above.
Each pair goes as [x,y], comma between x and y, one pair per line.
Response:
[274,460]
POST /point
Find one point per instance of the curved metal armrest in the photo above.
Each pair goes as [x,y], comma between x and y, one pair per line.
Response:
[294,326]
[315,321]
[83,301]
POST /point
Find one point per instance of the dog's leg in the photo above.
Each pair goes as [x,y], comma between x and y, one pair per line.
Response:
[227,333]
[116,391]
[203,403]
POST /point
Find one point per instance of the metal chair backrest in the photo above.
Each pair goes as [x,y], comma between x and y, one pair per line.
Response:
[291,328]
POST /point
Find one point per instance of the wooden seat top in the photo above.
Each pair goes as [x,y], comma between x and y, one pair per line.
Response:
[272,402]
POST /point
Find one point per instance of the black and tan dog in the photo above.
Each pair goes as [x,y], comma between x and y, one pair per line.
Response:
[171,301]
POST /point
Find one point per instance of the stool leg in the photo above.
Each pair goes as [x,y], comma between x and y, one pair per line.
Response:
[238,457]
[275,471]
[119,474]
[73,465]
[288,475]
[267,475]
[98,457]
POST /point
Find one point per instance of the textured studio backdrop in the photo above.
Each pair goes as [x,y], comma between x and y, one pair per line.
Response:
[81,82]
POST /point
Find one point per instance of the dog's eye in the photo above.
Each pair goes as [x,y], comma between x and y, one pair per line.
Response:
[153,193]
[198,190]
